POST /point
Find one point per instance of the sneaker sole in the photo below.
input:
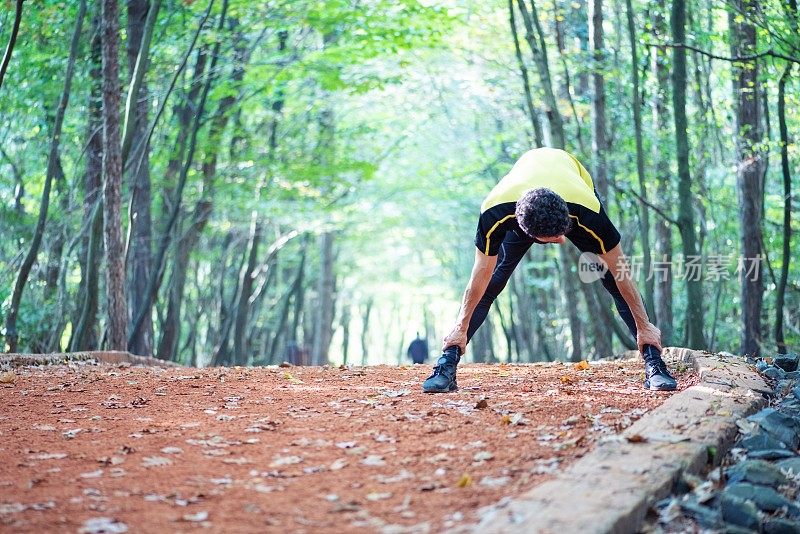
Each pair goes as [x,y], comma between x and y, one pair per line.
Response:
[453,387]
[662,388]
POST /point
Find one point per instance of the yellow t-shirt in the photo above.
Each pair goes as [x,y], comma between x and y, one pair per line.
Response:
[562,173]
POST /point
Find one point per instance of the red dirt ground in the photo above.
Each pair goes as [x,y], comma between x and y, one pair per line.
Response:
[294,449]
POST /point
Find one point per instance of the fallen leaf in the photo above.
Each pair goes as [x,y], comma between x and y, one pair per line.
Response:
[338,464]
[481,404]
[494,482]
[398,393]
[290,378]
[92,474]
[104,525]
[582,365]
[377,496]
[172,450]
[373,459]
[351,506]
[198,517]
[567,379]
[464,481]
[155,461]
[399,477]
[636,438]
[505,420]
[70,434]
[48,456]
[517,419]
[482,456]
[285,460]
[7,377]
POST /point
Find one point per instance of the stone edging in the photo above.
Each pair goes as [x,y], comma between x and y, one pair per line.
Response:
[611,488]
[58,358]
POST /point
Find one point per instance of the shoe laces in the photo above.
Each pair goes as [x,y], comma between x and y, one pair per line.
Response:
[442,368]
[658,365]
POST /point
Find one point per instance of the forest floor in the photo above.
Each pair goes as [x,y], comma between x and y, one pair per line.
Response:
[110,448]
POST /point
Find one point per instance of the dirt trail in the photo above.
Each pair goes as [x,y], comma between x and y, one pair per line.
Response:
[104,448]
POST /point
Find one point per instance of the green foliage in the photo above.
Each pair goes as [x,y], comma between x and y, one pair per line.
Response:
[392,119]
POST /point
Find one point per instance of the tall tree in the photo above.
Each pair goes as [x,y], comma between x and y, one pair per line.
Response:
[117,306]
[749,170]
[84,332]
[663,275]
[600,145]
[526,85]
[141,20]
[53,168]
[644,229]
[536,42]
[12,40]
[694,284]
[172,217]
[787,210]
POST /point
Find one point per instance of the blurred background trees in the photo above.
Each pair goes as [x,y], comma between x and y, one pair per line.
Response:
[301,180]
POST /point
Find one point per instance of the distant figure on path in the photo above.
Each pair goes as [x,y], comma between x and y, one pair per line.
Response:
[418,350]
[547,197]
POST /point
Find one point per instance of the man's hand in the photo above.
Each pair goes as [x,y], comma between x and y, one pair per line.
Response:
[458,337]
[648,334]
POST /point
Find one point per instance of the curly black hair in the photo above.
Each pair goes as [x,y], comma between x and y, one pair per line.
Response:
[542,213]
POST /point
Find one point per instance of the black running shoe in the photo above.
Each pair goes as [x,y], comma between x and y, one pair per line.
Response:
[656,374]
[443,379]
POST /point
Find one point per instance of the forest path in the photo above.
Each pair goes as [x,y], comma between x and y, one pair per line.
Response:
[100,448]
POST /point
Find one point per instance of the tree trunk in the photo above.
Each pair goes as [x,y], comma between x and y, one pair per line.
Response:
[56,248]
[84,332]
[644,229]
[326,301]
[365,316]
[567,85]
[221,349]
[12,335]
[240,342]
[600,145]
[535,39]
[295,292]
[568,260]
[482,344]
[345,322]
[526,86]
[749,172]
[152,290]
[694,285]
[141,19]
[600,328]
[787,210]
[112,182]
[12,40]
[539,52]
[663,275]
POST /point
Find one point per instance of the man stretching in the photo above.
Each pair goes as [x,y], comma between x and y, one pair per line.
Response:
[547,197]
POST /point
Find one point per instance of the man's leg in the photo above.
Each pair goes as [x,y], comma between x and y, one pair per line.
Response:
[657,375]
[512,250]
[511,253]
[619,301]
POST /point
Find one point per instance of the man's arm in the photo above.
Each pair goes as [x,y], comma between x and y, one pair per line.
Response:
[478,282]
[647,333]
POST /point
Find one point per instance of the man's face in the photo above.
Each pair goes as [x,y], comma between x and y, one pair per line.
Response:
[559,239]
